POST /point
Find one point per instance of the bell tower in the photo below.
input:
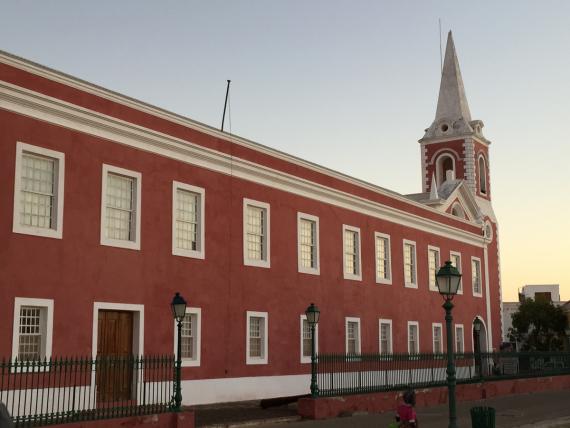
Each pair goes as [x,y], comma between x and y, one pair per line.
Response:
[453,147]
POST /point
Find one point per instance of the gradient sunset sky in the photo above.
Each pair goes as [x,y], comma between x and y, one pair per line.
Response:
[350,85]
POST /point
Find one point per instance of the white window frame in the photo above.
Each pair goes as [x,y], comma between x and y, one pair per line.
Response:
[417,324]
[131,244]
[47,305]
[391,343]
[302,269]
[457,336]
[347,275]
[305,360]
[200,253]
[266,261]
[191,362]
[415,256]
[380,280]
[359,343]
[433,327]
[475,294]
[255,360]
[59,157]
[459,268]
[437,266]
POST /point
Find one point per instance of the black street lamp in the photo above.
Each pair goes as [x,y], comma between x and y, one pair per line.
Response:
[447,280]
[477,324]
[178,307]
[313,313]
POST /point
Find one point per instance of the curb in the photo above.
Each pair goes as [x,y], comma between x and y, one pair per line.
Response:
[280,420]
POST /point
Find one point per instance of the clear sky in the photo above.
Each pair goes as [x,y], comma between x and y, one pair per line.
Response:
[350,85]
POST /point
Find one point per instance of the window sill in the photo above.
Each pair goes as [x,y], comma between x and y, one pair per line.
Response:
[188,253]
[256,361]
[129,245]
[383,281]
[257,263]
[37,231]
[410,285]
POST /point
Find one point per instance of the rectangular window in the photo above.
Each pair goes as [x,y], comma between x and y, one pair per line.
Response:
[256,233]
[191,337]
[308,243]
[476,276]
[351,249]
[306,340]
[385,327]
[188,220]
[413,337]
[459,339]
[383,267]
[33,327]
[120,211]
[352,327]
[38,191]
[410,272]
[433,266]
[256,345]
[437,330]
[455,259]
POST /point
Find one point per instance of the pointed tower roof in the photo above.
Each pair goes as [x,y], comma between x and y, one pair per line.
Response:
[452,117]
[433,193]
[452,102]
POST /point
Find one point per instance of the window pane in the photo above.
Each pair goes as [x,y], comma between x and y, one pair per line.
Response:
[188,336]
[306,339]
[120,207]
[456,262]
[382,258]
[37,191]
[187,220]
[255,232]
[413,338]
[476,275]
[433,261]
[30,334]
[256,337]
[308,243]
[351,252]
[409,264]
[352,337]
[385,344]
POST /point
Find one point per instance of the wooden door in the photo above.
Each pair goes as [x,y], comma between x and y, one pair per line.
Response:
[115,356]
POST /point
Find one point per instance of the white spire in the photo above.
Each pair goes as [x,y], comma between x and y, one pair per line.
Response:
[452,102]
[433,193]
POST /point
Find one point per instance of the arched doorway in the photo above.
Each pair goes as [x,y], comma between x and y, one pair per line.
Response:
[479,336]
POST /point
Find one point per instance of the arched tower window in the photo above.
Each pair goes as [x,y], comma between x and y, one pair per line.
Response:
[444,164]
[482,175]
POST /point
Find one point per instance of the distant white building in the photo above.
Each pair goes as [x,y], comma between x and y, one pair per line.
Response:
[548,292]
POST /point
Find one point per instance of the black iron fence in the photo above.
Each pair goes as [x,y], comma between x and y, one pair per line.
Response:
[60,390]
[341,374]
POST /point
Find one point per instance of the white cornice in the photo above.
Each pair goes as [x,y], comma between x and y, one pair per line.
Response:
[39,106]
[436,140]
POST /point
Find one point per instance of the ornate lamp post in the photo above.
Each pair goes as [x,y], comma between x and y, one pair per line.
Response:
[448,279]
[313,313]
[477,329]
[178,307]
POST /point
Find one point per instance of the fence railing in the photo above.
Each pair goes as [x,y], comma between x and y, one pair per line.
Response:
[61,390]
[341,374]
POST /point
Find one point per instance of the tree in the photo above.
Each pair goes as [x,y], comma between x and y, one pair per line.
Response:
[538,326]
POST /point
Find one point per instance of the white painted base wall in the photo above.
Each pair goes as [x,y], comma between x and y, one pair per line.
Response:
[207,391]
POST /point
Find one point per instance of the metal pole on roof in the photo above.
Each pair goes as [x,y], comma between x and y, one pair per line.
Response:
[225,104]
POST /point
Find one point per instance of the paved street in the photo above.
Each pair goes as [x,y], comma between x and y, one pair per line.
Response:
[541,410]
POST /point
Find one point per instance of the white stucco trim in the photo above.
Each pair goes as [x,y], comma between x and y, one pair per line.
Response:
[133,244]
[305,360]
[265,338]
[47,334]
[265,262]
[57,211]
[302,269]
[49,109]
[380,280]
[200,253]
[191,362]
[359,343]
[138,324]
[348,275]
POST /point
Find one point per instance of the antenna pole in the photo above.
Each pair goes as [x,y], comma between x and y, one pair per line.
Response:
[440,49]
[225,104]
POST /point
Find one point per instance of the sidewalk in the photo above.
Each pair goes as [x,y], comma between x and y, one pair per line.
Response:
[540,410]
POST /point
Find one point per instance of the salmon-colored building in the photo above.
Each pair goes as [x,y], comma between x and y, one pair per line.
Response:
[108,206]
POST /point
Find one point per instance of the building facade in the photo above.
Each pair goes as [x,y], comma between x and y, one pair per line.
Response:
[108,206]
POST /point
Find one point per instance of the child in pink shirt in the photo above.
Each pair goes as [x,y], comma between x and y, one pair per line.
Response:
[406,414]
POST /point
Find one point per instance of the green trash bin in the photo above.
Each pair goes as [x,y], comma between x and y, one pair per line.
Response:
[482,417]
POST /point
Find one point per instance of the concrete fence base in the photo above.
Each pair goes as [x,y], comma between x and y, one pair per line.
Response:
[163,420]
[324,408]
